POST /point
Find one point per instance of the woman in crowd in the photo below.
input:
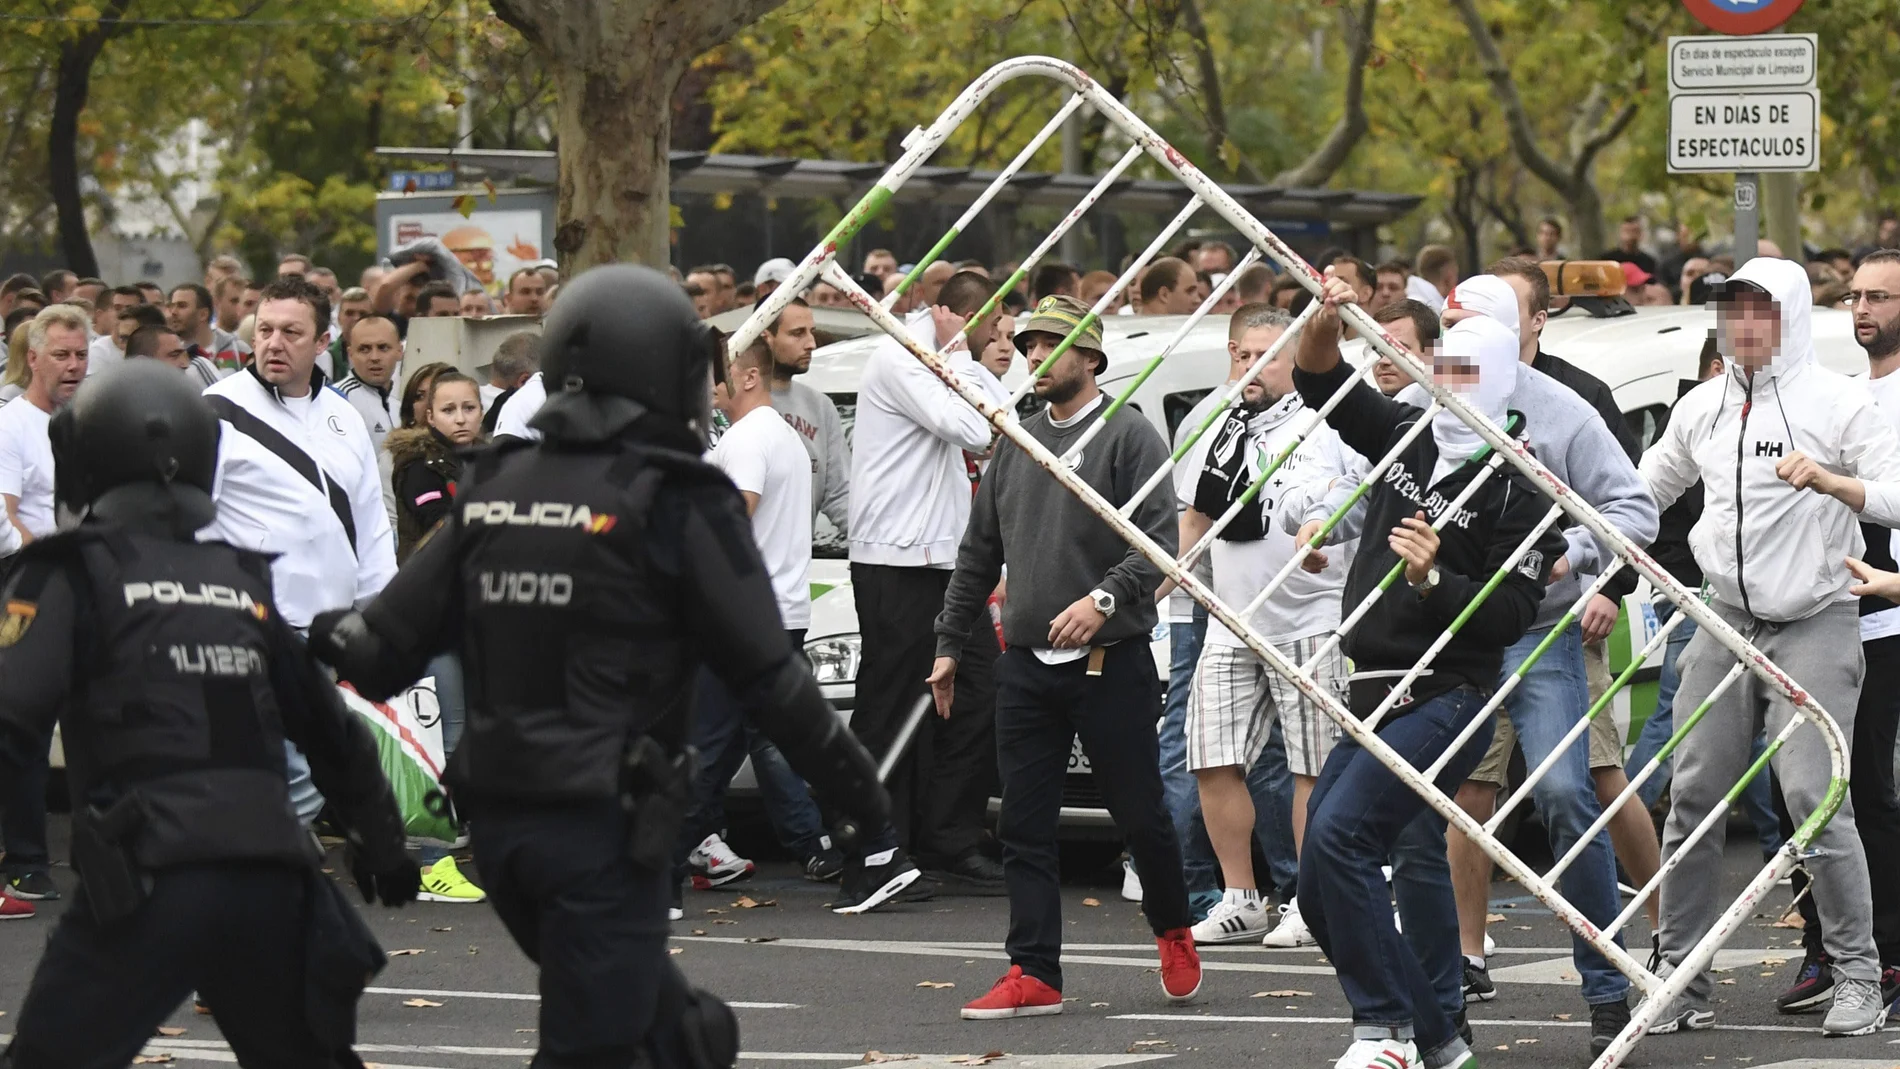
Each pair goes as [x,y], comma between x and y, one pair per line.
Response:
[415,395]
[426,465]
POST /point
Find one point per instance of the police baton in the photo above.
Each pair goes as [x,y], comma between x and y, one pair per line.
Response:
[845,835]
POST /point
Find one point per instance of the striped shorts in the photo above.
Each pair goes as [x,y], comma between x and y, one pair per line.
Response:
[1235,697]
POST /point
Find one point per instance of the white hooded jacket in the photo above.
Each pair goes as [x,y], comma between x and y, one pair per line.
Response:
[1765,548]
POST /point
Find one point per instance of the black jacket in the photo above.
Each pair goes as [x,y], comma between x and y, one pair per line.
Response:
[584,586]
[177,684]
[424,471]
[1472,547]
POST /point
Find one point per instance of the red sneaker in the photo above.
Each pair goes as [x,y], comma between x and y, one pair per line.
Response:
[13,909]
[1180,965]
[1016,995]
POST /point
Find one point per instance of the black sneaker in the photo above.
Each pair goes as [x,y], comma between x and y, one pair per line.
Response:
[1478,985]
[975,874]
[824,866]
[1813,986]
[33,887]
[1607,1021]
[866,887]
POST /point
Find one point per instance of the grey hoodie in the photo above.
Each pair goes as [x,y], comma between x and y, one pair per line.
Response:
[1571,440]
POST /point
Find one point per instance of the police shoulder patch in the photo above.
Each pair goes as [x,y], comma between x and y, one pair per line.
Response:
[19,616]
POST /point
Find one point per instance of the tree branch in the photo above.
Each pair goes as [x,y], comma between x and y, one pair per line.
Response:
[1597,142]
[1517,116]
[1318,168]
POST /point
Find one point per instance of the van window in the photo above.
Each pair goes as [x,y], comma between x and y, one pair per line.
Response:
[1646,423]
[1176,406]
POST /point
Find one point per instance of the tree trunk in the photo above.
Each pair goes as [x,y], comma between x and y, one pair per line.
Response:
[71,86]
[616,65]
[1331,154]
[1585,206]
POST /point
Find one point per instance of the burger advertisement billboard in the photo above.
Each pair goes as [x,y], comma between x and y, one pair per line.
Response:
[491,244]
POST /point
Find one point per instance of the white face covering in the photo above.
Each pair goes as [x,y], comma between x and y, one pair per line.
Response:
[1487,295]
[1491,348]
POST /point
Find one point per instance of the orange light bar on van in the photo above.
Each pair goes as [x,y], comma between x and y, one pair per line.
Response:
[1584,278]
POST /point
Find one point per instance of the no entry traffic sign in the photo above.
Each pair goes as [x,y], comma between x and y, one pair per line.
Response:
[1742,16]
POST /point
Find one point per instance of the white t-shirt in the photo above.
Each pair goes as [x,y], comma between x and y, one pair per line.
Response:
[1886,391]
[26,464]
[762,455]
[1305,604]
[488,391]
[102,353]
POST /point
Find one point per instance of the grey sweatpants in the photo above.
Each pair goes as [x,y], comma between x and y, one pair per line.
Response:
[1823,655]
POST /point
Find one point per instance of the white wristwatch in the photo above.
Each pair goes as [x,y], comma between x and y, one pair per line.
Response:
[1104,602]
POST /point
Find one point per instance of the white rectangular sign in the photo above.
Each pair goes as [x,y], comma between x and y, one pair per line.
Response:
[1765,61]
[1745,131]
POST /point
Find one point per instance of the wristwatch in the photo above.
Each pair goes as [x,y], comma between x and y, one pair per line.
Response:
[1430,584]
[1104,602]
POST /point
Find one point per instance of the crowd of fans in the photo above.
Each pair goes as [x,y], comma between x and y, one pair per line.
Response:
[932,510]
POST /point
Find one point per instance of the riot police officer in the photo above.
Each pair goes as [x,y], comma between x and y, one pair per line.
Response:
[585,578]
[176,686]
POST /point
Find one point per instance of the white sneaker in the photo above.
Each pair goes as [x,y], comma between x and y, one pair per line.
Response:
[1237,919]
[674,913]
[1379,1054]
[713,864]
[1291,931]
[1131,883]
[1490,945]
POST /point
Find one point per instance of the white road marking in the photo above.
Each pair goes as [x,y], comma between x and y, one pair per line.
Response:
[1561,971]
[937,950]
[511,996]
[958,1061]
[1215,1018]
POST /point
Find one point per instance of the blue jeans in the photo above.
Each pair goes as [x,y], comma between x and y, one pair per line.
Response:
[1270,782]
[1757,801]
[1421,883]
[1552,697]
[1359,813]
[451,703]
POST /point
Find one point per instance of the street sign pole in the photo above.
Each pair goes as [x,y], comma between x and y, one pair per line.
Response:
[1747,216]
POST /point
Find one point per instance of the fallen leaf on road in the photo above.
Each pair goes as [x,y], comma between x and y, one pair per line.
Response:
[711,912]
[201,1009]
[405,953]
[874,1057]
[1285,992]
[935,985]
[978,1059]
[747,902]
[1141,1044]
[1522,927]
[152,1059]
[167,1030]
[518,1031]
[675,950]
[1493,918]
[761,938]
[420,1003]
[722,920]
[1502,1046]
[1774,961]
[1791,919]
[699,931]
[1091,901]
[1098,1005]
[450,929]
[1561,1016]
[1731,983]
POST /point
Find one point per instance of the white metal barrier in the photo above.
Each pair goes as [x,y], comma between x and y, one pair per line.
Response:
[1659,991]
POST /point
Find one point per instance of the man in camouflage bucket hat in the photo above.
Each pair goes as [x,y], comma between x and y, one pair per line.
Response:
[1060,315]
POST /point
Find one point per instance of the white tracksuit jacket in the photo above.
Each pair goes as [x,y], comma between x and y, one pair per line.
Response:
[1765,548]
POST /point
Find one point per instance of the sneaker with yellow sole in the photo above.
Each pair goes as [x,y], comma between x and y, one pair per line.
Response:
[443,882]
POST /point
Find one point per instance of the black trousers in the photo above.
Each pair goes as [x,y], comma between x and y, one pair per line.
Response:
[1876,802]
[1040,709]
[235,933]
[595,923]
[940,792]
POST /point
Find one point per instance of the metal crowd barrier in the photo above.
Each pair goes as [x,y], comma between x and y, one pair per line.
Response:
[1658,991]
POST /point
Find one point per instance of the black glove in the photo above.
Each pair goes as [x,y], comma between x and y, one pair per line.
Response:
[325,640]
[396,880]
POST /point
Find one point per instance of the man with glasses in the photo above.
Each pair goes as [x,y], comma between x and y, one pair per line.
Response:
[1780,515]
[1875,302]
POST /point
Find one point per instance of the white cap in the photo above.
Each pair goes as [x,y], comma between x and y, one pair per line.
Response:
[775,271]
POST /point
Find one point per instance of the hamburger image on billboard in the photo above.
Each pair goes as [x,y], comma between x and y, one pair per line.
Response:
[491,244]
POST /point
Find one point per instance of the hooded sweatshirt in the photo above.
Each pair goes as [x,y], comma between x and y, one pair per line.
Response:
[1473,543]
[1570,438]
[1767,549]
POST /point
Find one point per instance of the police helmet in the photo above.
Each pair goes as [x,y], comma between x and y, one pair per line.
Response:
[626,331]
[140,422]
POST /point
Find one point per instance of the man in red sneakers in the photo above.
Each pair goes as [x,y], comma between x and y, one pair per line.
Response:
[1080,608]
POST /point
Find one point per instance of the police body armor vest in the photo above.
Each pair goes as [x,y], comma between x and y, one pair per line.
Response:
[572,636]
[174,701]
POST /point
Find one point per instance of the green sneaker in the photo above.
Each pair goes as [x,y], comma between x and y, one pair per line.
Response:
[443,882]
